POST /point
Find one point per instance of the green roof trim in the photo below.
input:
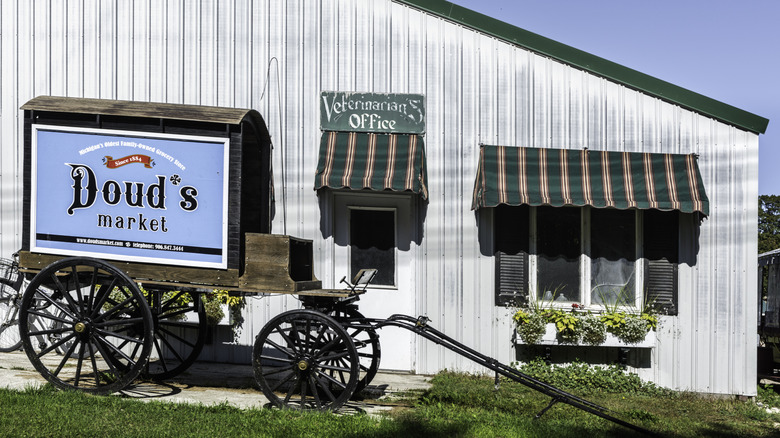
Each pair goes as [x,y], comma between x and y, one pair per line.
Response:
[593,64]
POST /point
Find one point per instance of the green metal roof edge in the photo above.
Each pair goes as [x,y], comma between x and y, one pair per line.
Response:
[593,64]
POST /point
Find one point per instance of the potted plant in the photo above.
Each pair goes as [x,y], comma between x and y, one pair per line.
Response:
[567,324]
[593,330]
[578,326]
[217,302]
[531,326]
[629,327]
[213,308]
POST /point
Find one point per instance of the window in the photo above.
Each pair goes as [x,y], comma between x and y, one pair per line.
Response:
[511,232]
[586,255]
[372,243]
[661,253]
[613,269]
[558,248]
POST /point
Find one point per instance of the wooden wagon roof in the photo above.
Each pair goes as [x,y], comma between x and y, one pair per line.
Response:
[140,109]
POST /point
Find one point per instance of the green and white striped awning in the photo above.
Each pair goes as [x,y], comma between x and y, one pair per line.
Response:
[359,160]
[560,177]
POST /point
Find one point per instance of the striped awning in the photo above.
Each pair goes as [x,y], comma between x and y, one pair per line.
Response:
[359,160]
[560,177]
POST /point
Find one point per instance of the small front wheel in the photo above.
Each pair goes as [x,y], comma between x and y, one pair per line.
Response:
[366,340]
[306,360]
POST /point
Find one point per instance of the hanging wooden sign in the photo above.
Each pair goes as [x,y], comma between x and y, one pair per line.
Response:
[372,112]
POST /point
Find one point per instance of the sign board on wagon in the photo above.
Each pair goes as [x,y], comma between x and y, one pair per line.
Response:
[129,196]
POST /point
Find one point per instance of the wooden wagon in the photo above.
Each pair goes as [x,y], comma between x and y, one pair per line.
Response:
[134,210]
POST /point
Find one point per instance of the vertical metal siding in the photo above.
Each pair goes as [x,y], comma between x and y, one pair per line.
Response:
[10,156]
[277,56]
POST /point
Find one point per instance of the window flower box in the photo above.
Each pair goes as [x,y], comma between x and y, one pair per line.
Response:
[551,337]
[613,328]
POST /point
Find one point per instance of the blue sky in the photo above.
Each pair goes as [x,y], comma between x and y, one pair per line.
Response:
[728,50]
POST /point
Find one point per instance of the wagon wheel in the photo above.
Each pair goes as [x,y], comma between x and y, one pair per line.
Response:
[9,316]
[366,340]
[85,325]
[173,351]
[305,360]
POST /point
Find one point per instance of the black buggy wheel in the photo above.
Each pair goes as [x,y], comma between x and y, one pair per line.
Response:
[305,360]
[9,315]
[177,317]
[85,325]
[366,341]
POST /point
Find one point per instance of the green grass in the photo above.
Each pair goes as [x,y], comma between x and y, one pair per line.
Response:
[46,412]
[457,405]
[509,411]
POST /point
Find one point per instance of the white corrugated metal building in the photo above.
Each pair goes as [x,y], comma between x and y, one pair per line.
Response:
[484,83]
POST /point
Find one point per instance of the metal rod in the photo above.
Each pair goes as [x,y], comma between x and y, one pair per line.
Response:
[553,401]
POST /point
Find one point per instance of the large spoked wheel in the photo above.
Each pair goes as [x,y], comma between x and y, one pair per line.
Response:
[9,315]
[366,341]
[85,325]
[179,335]
[305,360]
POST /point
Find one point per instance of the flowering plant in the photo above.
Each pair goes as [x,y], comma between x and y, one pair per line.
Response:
[581,326]
[531,326]
[593,330]
[213,302]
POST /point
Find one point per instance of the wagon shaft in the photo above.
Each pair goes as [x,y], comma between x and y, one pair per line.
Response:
[420,327]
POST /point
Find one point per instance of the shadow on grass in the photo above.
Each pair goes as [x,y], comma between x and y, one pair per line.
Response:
[414,428]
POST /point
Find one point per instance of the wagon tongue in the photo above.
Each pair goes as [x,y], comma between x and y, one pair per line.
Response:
[420,326]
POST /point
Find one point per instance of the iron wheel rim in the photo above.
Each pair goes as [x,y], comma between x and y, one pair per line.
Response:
[97,318]
[168,311]
[305,360]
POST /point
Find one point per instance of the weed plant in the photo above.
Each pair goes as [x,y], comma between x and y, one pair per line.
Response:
[768,395]
[585,379]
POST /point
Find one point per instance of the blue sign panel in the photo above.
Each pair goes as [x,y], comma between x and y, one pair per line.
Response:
[130,196]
